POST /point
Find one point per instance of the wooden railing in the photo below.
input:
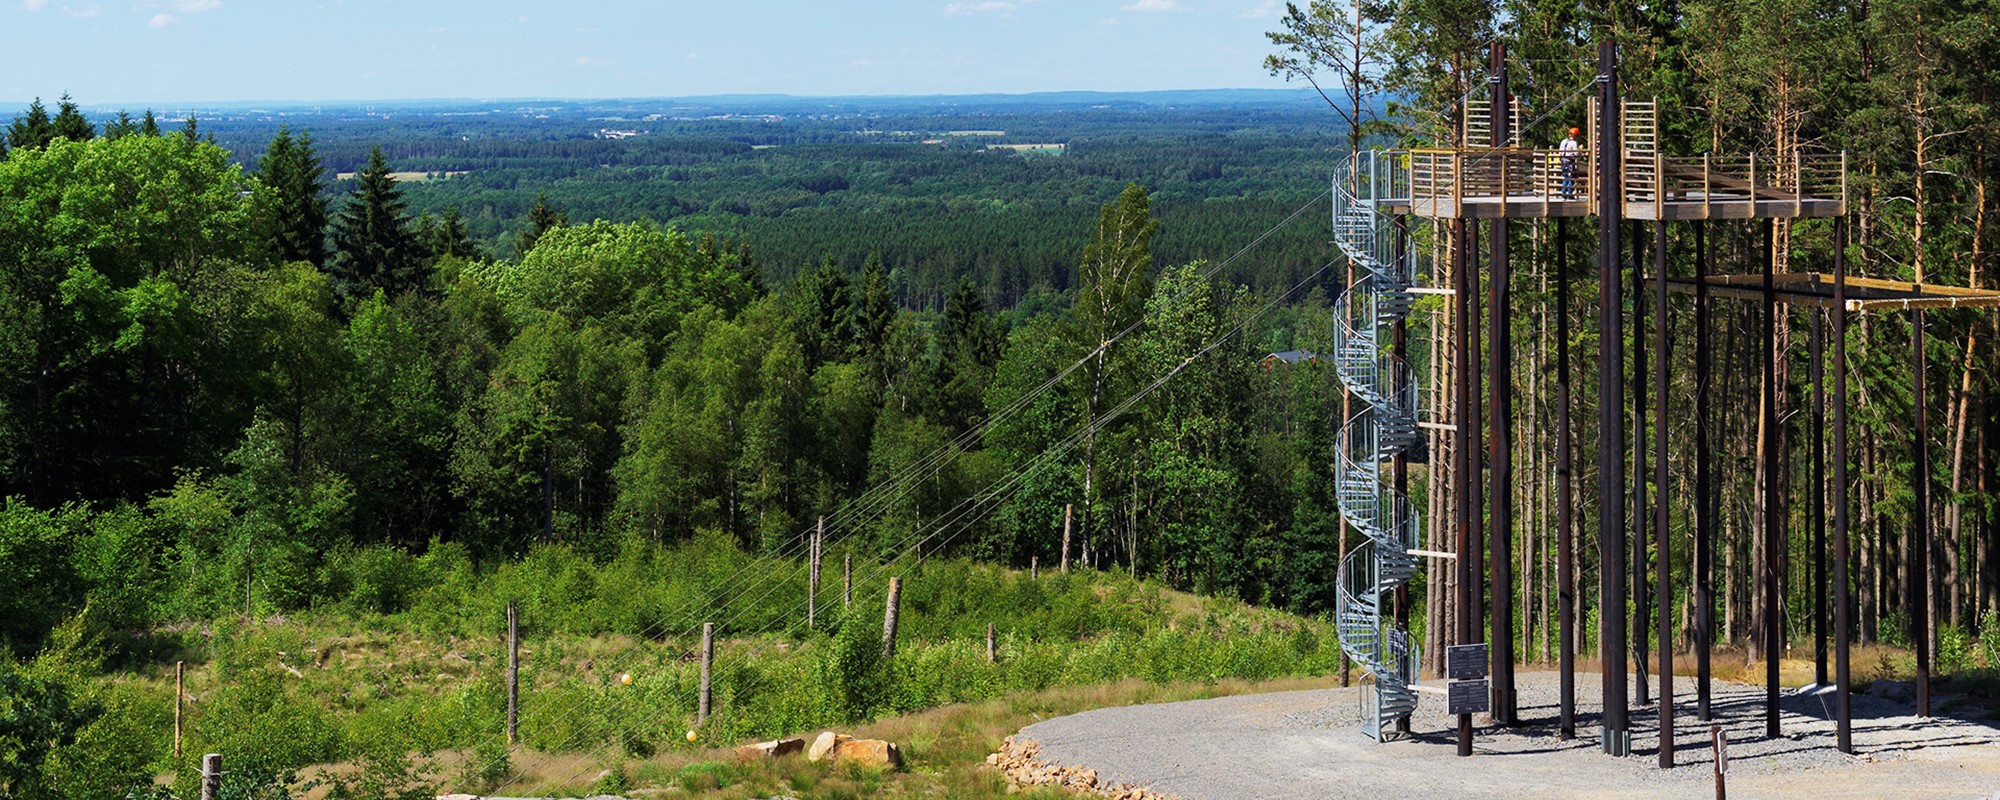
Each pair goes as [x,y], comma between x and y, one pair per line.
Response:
[1659,180]
[1513,175]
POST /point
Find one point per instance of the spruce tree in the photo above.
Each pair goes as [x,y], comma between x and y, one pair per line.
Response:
[70,123]
[373,246]
[450,237]
[148,125]
[541,219]
[32,130]
[121,127]
[294,172]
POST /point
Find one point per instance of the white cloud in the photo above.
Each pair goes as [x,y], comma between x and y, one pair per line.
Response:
[33,5]
[87,11]
[1108,21]
[1267,8]
[1155,5]
[161,21]
[588,61]
[1000,7]
[196,6]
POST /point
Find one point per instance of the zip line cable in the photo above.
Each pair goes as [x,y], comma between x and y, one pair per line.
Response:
[874,502]
[972,508]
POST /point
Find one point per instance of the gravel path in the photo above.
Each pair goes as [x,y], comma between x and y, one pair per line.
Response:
[1308,744]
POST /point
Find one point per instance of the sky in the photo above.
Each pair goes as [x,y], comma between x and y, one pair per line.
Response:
[177,51]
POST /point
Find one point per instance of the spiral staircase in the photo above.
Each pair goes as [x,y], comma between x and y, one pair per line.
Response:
[1365,187]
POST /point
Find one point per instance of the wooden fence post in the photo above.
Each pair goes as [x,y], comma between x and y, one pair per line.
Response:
[180,694]
[1069,509]
[1034,567]
[812,579]
[889,618]
[992,651]
[211,776]
[846,581]
[707,668]
[513,672]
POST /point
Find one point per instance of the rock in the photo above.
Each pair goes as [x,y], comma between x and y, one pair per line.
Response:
[771,749]
[868,753]
[823,746]
[1899,691]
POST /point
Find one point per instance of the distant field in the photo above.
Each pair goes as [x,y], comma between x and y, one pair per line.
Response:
[1052,147]
[408,177]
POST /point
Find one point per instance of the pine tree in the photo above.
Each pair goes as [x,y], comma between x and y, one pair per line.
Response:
[32,130]
[450,237]
[121,127]
[373,246]
[70,123]
[294,172]
[541,219]
[148,126]
[876,314]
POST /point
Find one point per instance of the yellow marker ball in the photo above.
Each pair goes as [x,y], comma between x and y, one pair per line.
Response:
[625,678]
[690,734]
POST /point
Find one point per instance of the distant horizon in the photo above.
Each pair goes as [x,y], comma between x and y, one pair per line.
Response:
[1302,93]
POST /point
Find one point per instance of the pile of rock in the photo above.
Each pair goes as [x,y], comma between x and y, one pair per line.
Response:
[839,747]
[1018,760]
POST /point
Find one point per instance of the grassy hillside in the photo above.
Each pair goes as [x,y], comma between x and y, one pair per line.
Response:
[401,681]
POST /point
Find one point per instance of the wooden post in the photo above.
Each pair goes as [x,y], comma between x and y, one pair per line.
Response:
[992,650]
[1617,735]
[846,581]
[211,776]
[180,694]
[1034,567]
[889,618]
[707,670]
[1842,623]
[812,577]
[1720,741]
[513,672]
[1069,510]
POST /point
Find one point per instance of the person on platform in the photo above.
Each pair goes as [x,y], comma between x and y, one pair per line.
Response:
[1572,160]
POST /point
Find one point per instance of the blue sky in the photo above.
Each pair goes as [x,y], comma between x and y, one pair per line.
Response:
[161,51]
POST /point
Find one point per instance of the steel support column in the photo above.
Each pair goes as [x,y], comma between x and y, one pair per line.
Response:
[1400,466]
[1565,508]
[1818,506]
[1920,529]
[1500,452]
[1704,510]
[1842,616]
[1462,413]
[1662,544]
[1616,737]
[1773,530]
[1641,510]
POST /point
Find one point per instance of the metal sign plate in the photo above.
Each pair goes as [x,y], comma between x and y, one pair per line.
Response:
[1467,697]
[1465,661]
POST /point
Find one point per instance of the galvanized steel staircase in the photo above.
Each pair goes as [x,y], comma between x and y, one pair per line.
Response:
[1364,187]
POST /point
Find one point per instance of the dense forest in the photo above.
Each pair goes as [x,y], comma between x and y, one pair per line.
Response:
[238,385]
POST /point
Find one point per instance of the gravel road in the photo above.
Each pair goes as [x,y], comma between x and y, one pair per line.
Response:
[1307,744]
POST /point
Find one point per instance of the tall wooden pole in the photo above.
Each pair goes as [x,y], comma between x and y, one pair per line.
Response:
[1920,529]
[1774,550]
[706,700]
[1617,736]
[513,672]
[1069,513]
[1662,543]
[1500,446]
[1842,620]
[889,618]
[180,695]
[847,581]
[812,577]
[1705,504]
[211,776]
[1565,502]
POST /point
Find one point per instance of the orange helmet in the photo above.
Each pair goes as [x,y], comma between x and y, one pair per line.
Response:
[1574,131]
